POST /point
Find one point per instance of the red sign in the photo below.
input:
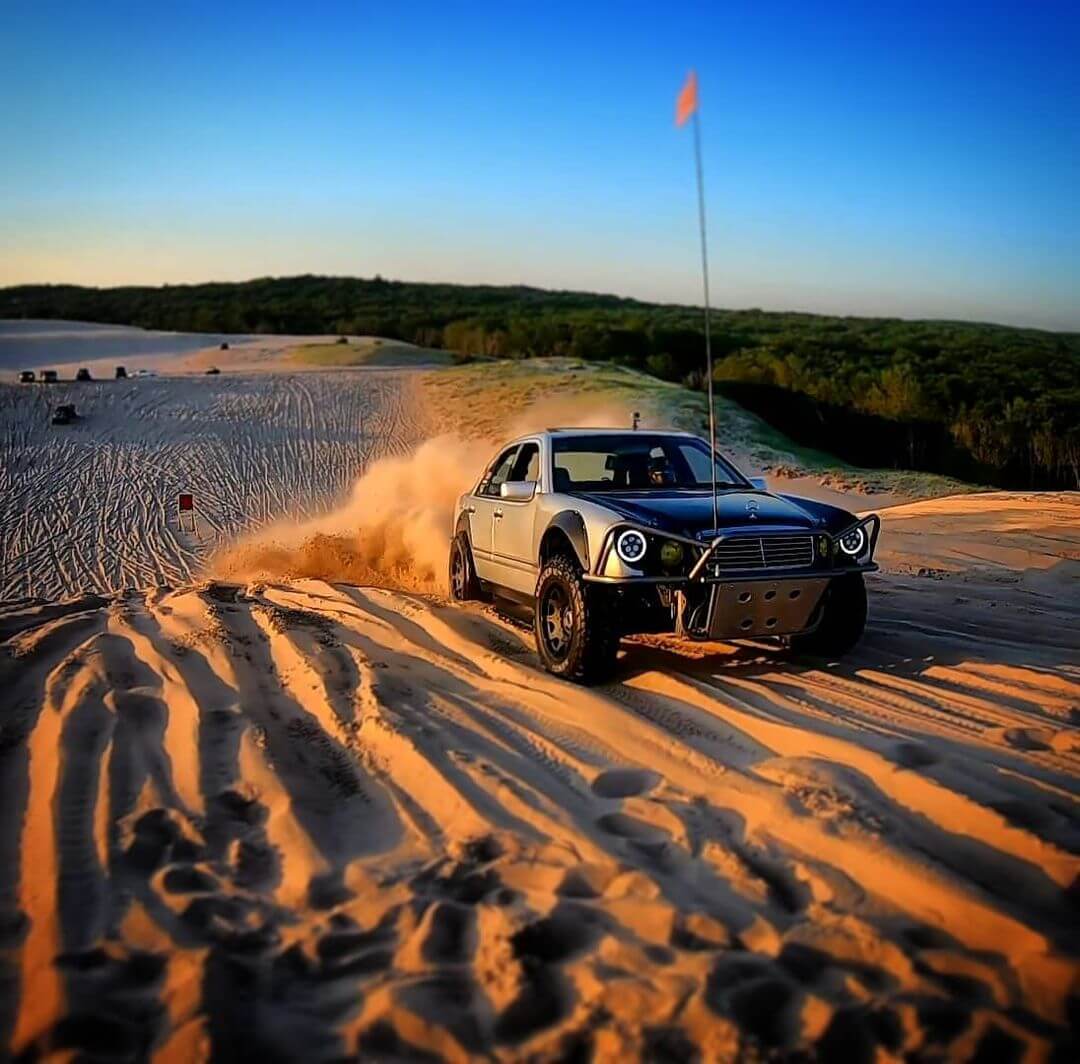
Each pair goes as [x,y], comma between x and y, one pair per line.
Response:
[187,503]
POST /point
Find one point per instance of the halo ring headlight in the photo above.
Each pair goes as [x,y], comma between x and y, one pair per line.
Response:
[853,541]
[631,545]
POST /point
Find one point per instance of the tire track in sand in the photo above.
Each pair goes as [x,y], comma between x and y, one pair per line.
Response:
[396,838]
[91,506]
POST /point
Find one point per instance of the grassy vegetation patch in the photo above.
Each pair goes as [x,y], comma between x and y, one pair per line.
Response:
[968,399]
[491,400]
[368,353]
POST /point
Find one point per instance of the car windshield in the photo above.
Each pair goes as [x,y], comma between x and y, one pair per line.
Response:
[637,462]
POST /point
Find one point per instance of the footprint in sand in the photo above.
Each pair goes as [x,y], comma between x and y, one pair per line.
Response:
[628,827]
[914,755]
[187,879]
[346,950]
[624,782]
[450,934]
[1026,738]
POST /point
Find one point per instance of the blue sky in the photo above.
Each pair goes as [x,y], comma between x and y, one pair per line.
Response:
[919,159]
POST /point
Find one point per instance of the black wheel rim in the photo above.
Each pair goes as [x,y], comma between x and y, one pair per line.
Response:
[457,568]
[556,621]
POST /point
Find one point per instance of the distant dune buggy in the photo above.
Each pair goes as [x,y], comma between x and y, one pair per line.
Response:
[64,414]
[608,532]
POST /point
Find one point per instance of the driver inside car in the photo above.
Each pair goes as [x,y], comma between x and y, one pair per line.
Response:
[661,474]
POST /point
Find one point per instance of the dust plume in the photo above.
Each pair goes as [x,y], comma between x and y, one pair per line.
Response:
[577,413]
[394,529]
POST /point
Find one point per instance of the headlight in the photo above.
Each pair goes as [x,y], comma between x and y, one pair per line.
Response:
[671,554]
[853,541]
[631,546]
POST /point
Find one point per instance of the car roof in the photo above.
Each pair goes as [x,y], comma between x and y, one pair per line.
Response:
[617,430]
[600,430]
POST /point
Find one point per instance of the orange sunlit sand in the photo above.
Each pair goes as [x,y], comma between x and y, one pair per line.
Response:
[441,620]
[365,818]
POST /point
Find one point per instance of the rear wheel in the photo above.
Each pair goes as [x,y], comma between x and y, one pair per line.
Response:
[464,583]
[576,632]
[842,622]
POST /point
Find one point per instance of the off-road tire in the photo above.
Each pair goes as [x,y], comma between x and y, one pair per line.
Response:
[842,623]
[464,583]
[593,638]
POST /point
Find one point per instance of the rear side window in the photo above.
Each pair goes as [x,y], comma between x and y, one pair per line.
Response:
[527,464]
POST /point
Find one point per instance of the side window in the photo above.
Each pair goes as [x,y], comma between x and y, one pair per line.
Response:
[527,464]
[498,472]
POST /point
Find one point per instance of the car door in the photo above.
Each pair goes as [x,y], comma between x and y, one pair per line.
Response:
[481,508]
[512,539]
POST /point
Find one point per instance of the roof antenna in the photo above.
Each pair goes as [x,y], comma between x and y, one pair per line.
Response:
[637,418]
[686,107]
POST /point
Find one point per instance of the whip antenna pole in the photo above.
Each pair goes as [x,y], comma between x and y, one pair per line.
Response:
[686,106]
[708,331]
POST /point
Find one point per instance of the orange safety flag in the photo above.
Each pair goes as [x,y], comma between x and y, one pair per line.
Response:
[686,104]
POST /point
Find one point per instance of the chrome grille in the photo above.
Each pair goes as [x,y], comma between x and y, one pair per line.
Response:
[762,552]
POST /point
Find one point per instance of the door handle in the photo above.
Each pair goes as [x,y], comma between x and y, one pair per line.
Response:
[497,513]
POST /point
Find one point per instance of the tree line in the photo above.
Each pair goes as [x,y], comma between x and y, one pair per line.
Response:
[986,402]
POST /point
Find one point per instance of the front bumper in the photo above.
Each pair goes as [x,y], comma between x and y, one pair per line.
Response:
[726,594]
[743,605]
[750,576]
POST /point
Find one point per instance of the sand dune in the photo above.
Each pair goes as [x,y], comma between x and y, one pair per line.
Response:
[306,820]
[67,346]
[34,344]
[290,818]
[94,506]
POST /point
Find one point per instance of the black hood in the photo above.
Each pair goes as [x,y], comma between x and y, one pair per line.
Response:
[689,513]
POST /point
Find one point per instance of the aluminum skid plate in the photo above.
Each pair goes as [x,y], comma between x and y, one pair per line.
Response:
[763,607]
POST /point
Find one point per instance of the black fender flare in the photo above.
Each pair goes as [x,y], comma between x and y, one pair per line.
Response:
[571,525]
[462,526]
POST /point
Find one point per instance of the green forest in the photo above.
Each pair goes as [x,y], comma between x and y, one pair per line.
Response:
[989,403]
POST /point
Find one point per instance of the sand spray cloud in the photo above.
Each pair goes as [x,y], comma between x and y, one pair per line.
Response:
[394,528]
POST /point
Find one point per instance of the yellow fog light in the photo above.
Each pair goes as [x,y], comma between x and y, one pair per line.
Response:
[671,554]
[823,546]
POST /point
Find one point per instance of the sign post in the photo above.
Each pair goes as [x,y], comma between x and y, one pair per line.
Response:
[185,506]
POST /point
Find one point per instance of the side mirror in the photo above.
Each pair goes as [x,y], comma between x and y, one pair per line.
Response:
[759,483]
[517,490]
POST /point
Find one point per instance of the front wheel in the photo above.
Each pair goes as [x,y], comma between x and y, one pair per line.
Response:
[576,632]
[843,619]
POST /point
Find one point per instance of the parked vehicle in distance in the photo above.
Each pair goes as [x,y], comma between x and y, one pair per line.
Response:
[212,371]
[64,415]
[144,373]
[48,376]
[26,376]
[121,373]
[83,374]
[223,347]
[609,532]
